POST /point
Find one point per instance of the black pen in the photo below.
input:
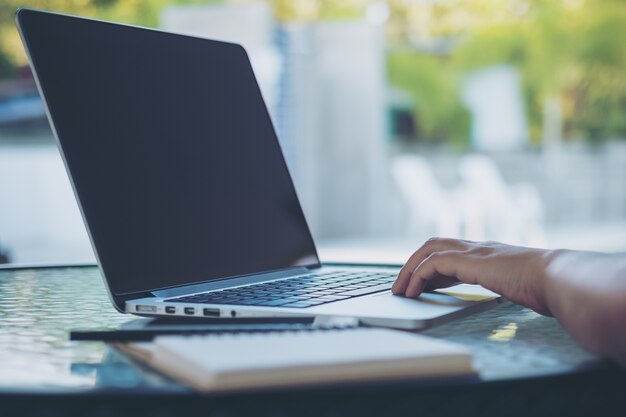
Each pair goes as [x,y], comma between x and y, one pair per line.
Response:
[148,334]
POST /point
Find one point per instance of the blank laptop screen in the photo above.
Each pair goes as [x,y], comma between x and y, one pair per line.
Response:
[171,152]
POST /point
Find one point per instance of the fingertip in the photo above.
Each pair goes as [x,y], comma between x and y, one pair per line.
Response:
[398,285]
[414,288]
[411,294]
[396,288]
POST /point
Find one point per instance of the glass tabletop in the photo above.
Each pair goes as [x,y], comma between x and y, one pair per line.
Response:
[39,306]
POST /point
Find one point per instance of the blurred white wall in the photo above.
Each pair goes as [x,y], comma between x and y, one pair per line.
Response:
[334,106]
[39,217]
[494,98]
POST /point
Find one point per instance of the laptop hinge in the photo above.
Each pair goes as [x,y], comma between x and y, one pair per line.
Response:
[228,282]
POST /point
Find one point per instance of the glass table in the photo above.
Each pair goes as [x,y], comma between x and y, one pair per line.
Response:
[39,306]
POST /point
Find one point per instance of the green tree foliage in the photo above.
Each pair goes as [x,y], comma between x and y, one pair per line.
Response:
[138,12]
[307,10]
[432,82]
[574,50]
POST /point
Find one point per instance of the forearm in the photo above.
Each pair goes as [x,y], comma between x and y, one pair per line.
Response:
[586,292]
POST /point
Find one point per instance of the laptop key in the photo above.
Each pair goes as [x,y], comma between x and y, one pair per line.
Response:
[250,302]
[368,290]
[225,301]
[288,294]
[302,297]
[319,293]
[331,292]
[353,287]
[280,302]
[313,302]
[330,298]
[320,300]
[296,305]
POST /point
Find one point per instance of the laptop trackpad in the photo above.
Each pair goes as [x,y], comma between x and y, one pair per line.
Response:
[387,305]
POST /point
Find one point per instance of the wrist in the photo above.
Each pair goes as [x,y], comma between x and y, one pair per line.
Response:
[545,279]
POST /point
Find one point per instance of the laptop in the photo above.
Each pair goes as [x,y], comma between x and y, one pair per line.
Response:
[182,184]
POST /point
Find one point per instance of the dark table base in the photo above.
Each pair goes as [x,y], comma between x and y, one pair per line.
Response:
[590,393]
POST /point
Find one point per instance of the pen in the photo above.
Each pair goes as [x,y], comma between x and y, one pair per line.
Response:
[148,334]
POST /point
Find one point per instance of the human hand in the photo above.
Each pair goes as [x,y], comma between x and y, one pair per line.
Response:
[517,273]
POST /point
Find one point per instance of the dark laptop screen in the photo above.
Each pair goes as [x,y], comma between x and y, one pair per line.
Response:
[171,151]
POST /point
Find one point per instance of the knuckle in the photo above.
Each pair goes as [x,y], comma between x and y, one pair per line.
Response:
[443,242]
[434,257]
[480,250]
[483,249]
[439,258]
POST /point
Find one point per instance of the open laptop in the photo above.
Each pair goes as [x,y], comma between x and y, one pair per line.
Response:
[182,185]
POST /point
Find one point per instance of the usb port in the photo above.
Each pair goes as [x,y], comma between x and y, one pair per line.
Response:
[170,309]
[211,312]
[145,309]
[189,310]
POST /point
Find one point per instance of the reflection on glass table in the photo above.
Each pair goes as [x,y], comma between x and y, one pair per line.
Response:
[38,308]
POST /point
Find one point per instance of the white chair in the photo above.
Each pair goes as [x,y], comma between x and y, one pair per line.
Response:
[431,207]
[510,213]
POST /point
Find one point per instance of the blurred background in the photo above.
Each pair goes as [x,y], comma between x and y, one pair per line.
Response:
[400,120]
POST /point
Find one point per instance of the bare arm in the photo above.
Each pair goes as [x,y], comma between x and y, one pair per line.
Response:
[584,291]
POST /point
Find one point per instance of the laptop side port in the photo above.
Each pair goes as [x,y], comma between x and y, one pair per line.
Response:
[146,309]
[190,310]
[211,312]
[170,309]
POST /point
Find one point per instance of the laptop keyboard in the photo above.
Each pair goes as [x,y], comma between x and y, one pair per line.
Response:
[298,292]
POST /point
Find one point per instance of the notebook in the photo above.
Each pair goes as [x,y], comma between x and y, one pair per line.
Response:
[239,361]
